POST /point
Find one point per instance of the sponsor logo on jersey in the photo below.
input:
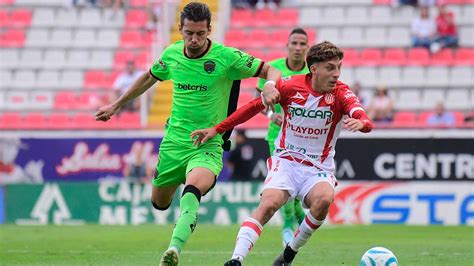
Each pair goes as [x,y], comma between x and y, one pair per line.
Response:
[329,98]
[190,87]
[209,66]
[321,114]
[249,62]
[306,130]
[298,96]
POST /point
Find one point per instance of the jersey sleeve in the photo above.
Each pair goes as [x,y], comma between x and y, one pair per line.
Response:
[350,102]
[242,65]
[160,68]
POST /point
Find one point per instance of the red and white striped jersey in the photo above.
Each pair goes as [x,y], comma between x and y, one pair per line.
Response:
[312,121]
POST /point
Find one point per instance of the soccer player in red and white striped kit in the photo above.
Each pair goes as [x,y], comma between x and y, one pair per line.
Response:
[316,107]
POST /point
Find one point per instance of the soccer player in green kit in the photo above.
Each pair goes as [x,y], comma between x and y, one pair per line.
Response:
[203,73]
[293,64]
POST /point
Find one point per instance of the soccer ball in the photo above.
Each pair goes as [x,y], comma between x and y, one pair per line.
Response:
[378,256]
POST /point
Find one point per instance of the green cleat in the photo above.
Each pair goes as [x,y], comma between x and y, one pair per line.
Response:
[169,258]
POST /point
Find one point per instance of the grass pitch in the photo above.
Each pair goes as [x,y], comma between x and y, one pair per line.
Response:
[213,245]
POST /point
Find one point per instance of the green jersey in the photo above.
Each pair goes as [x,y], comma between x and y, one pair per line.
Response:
[201,86]
[280,64]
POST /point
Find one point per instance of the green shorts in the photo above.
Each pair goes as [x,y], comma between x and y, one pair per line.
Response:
[175,161]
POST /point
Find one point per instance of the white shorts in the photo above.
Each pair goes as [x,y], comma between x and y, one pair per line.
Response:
[294,177]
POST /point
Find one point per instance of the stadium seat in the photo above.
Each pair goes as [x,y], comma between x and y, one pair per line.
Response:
[61,38]
[60,121]
[12,38]
[65,100]
[367,76]
[107,38]
[20,18]
[418,57]
[257,53]
[9,58]
[375,37]
[6,2]
[437,76]
[380,15]
[408,99]
[390,76]
[353,37]
[35,120]
[86,121]
[11,120]
[235,37]
[139,3]
[17,100]
[356,15]
[71,79]
[413,77]
[131,39]
[6,78]
[404,119]
[94,79]
[24,79]
[37,38]
[90,17]
[69,18]
[136,18]
[4,18]
[458,99]
[442,58]
[276,53]
[464,56]
[333,15]
[43,17]
[431,97]
[41,100]
[351,57]
[279,38]
[89,100]
[264,18]
[129,120]
[394,57]
[55,59]
[461,76]
[382,2]
[242,18]
[371,57]
[259,38]
[47,79]
[102,59]
[84,38]
[285,17]
[31,58]
[329,34]
[398,37]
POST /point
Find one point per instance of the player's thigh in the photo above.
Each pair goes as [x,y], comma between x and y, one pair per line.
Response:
[321,195]
[273,198]
[171,167]
[203,168]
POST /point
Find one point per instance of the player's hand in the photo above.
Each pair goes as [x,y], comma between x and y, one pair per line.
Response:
[270,95]
[106,112]
[353,124]
[201,136]
[277,118]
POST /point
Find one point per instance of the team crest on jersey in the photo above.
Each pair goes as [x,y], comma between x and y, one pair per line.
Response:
[329,98]
[209,66]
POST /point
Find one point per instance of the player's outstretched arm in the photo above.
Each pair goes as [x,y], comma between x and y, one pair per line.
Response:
[244,113]
[143,83]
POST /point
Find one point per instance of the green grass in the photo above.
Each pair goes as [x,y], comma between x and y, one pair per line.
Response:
[212,245]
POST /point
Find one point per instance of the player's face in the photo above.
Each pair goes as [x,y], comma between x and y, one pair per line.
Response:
[326,74]
[195,35]
[297,46]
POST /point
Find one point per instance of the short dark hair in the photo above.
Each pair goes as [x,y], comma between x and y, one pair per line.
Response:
[323,52]
[196,12]
[298,31]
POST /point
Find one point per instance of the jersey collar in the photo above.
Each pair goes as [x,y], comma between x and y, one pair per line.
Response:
[209,44]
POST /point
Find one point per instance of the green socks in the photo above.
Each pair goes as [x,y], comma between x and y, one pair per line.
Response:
[189,205]
[299,212]
[288,215]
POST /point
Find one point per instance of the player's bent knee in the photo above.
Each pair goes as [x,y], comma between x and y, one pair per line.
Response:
[192,189]
[160,208]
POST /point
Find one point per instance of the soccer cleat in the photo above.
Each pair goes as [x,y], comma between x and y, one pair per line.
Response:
[233,262]
[287,235]
[286,257]
[169,258]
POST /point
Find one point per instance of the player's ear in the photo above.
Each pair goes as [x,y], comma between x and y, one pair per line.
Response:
[313,68]
[209,30]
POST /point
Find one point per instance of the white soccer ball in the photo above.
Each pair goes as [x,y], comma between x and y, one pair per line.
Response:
[378,256]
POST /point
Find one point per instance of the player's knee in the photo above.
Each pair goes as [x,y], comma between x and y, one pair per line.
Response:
[322,202]
[158,207]
[269,207]
[192,189]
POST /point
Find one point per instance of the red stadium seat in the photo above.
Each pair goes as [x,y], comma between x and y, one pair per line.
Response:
[129,120]
[383,2]
[110,79]
[351,57]
[89,100]
[257,53]
[131,39]
[235,37]
[20,18]
[13,38]
[86,121]
[371,57]
[418,57]
[136,19]
[65,100]
[464,57]
[35,121]
[143,60]
[95,79]
[394,57]
[249,85]
[138,3]
[275,54]
[258,38]
[121,58]
[11,121]
[4,18]
[286,17]
[60,121]
[279,38]
[442,58]
[264,18]
[242,18]
[311,36]
[404,119]
[6,2]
